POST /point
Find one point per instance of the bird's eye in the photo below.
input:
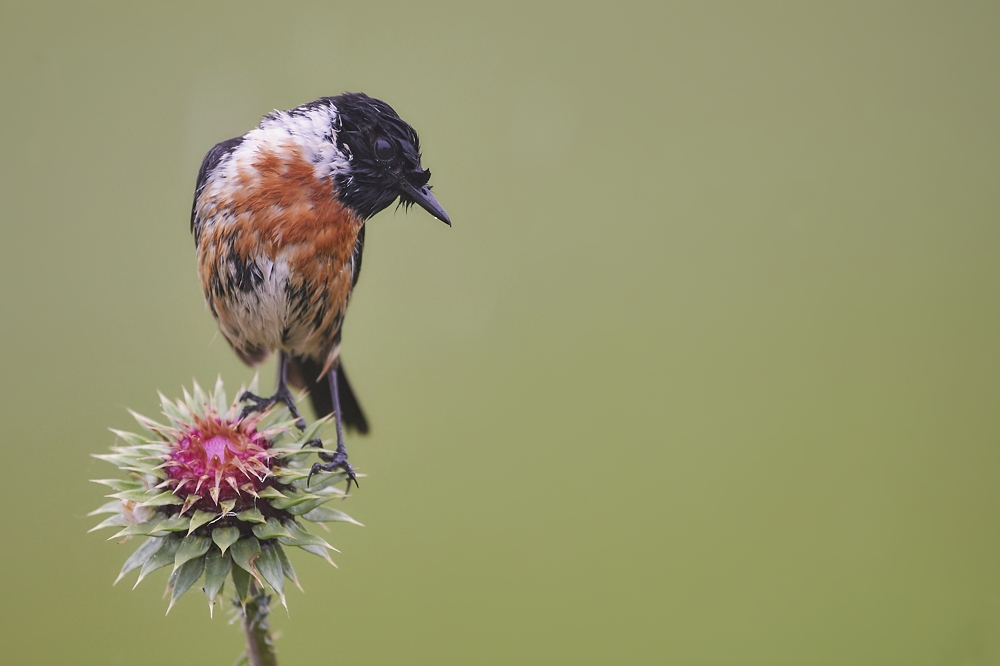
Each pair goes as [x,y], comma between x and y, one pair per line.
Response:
[384,150]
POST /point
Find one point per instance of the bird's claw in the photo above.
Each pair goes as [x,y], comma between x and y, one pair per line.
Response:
[335,460]
[260,404]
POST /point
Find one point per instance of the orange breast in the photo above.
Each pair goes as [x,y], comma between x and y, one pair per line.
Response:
[278,209]
[280,196]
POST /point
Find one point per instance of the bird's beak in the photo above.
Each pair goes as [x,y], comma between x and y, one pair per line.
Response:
[423,196]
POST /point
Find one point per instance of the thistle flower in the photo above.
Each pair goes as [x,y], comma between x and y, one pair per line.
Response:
[219,496]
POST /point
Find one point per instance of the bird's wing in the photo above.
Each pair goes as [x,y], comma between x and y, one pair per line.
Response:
[359,248]
[211,161]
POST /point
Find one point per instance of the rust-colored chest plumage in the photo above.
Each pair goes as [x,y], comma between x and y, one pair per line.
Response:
[276,253]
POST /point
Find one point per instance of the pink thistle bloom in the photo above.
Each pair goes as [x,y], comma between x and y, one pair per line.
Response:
[218,459]
[219,496]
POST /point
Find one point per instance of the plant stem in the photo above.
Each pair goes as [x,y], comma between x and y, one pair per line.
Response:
[260,649]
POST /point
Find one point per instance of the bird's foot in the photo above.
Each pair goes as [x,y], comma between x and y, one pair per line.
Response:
[335,460]
[259,404]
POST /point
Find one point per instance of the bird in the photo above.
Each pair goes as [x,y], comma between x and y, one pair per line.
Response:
[278,220]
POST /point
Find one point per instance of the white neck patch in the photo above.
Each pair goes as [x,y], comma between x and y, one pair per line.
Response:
[312,128]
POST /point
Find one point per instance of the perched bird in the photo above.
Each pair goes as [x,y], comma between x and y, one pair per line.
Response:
[279,225]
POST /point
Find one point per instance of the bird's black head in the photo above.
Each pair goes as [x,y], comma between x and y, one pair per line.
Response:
[384,154]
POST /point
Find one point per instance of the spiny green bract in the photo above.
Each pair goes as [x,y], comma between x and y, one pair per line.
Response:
[218,496]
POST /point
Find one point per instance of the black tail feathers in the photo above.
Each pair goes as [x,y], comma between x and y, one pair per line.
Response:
[304,373]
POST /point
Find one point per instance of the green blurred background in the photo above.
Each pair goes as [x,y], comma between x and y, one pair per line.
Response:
[706,371]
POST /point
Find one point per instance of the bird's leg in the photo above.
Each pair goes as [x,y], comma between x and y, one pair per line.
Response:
[281,392]
[337,459]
